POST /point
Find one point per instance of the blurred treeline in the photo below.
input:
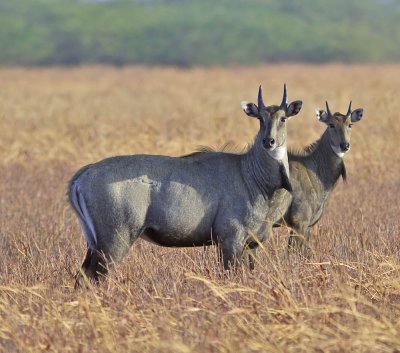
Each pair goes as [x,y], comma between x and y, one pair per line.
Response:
[197,32]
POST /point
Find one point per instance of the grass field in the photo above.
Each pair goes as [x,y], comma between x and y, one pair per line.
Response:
[344,298]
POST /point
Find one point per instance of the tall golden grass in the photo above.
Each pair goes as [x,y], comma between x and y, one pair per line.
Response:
[344,298]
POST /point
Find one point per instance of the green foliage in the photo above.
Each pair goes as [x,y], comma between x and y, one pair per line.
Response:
[197,32]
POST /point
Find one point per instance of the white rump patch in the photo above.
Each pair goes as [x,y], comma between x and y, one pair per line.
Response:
[278,153]
[85,220]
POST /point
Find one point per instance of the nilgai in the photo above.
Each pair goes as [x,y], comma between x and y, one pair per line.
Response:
[314,174]
[195,200]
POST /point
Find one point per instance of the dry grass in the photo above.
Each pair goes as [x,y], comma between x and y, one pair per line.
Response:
[345,298]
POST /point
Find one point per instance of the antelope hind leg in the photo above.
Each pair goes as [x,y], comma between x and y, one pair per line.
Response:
[231,254]
[298,241]
[94,268]
[250,254]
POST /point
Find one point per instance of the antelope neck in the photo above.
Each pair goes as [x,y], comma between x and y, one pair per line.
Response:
[278,153]
[262,171]
[330,163]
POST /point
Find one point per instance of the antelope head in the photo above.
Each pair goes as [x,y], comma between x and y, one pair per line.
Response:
[339,127]
[273,122]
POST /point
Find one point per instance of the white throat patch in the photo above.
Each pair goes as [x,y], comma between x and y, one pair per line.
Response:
[278,153]
[338,151]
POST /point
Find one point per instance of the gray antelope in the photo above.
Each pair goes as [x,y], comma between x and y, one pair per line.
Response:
[314,174]
[196,200]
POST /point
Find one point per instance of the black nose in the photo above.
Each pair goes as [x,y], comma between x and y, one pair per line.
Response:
[345,146]
[268,142]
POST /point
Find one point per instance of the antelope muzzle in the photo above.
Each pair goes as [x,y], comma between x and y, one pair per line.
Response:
[269,143]
[344,146]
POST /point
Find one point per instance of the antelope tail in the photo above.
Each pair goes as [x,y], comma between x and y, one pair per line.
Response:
[78,203]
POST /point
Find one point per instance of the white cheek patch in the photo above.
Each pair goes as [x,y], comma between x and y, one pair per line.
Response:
[338,151]
[278,153]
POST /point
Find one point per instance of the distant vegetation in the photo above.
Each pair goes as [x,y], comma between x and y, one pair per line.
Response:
[197,32]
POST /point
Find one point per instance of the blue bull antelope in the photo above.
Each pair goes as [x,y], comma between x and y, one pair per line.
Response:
[196,200]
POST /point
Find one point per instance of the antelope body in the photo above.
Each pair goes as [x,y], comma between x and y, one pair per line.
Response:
[195,200]
[314,174]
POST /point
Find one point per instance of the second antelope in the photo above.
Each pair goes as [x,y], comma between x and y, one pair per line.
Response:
[195,200]
[314,174]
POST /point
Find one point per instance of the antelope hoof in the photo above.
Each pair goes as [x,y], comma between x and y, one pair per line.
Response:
[299,245]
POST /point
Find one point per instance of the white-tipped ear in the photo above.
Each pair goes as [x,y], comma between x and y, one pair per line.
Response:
[250,109]
[244,105]
[321,115]
[357,115]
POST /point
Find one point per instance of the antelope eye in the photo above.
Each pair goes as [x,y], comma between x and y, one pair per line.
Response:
[350,125]
[331,126]
[283,119]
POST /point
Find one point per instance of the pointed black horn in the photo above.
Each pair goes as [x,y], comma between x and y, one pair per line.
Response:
[327,109]
[260,99]
[349,110]
[284,98]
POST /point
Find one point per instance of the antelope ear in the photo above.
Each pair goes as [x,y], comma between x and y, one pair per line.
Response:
[250,109]
[322,115]
[357,115]
[294,108]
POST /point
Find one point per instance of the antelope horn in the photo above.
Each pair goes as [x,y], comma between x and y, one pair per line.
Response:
[349,110]
[284,98]
[260,99]
[327,109]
